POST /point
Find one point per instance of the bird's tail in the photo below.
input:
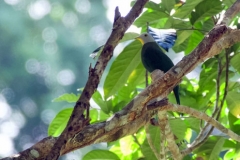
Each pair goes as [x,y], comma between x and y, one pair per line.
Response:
[176,93]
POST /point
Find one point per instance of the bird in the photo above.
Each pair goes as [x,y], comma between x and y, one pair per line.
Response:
[153,58]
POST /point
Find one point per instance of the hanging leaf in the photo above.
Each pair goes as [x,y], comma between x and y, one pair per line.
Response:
[67,97]
[121,68]
[233,103]
[235,62]
[218,147]
[206,8]
[150,17]
[97,97]
[168,5]
[186,9]
[100,154]
[59,122]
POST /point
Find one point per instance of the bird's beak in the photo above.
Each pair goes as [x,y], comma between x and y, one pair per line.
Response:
[138,38]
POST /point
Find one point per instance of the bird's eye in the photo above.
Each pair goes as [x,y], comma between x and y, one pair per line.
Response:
[145,35]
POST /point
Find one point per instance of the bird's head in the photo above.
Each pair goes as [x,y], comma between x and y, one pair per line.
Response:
[145,38]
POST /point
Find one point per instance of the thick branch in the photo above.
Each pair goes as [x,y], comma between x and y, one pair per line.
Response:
[166,129]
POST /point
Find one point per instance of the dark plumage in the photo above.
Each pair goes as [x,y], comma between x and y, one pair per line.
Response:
[154,58]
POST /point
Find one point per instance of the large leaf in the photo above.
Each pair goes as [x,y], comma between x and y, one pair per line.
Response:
[206,8]
[181,47]
[234,123]
[59,122]
[217,149]
[153,6]
[100,154]
[67,97]
[150,17]
[193,123]
[168,4]
[207,75]
[121,68]
[177,23]
[208,147]
[233,103]
[129,36]
[97,97]
[194,40]
[208,25]
[185,10]
[235,62]
[182,36]
[137,76]
[178,127]
[228,2]
[155,137]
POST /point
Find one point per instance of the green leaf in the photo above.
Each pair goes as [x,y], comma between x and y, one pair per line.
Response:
[228,2]
[193,123]
[153,6]
[129,36]
[195,38]
[208,25]
[155,136]
[178,127]
[137,76]
[168,4]
[127,145]
[177,23]
[181,47]
[125,92]
[94,115]
[59,122]
[182,36]
[207,148]
[97,97]
[233,103]
[207,76]
[185,10]
[103,116]
[206,8]
[121,68]
[100,155]
[234,123]
[67,97]
[231,154]
[150,17]
[235,62]
[217,149]
[187,99]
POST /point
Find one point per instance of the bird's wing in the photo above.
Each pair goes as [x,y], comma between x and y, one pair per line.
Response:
[154,58]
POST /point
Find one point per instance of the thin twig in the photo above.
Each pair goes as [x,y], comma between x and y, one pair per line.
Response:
[226,79]
[150,142]
[136,141]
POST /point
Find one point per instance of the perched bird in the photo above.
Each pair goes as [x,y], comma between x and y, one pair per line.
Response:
[153,58]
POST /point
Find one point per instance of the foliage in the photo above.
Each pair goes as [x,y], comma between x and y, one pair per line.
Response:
[126,78]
